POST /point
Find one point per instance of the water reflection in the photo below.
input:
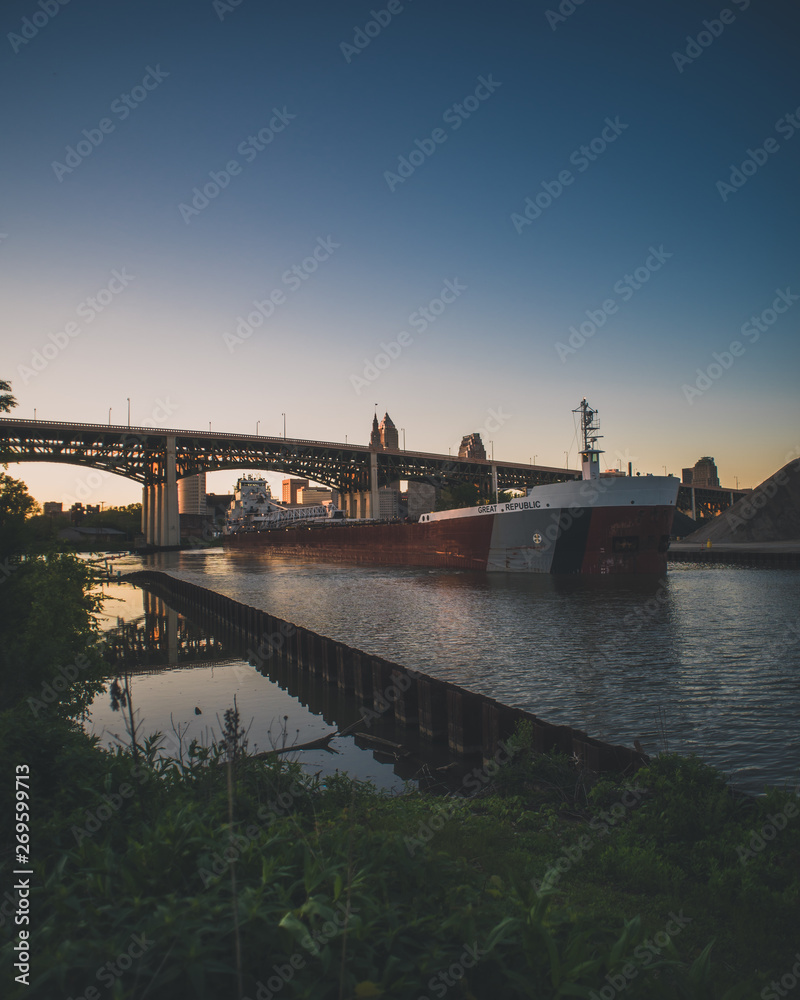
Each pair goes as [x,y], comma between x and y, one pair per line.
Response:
[705,660]
[183,675]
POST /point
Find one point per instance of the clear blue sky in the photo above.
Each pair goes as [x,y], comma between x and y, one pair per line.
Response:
[405,154]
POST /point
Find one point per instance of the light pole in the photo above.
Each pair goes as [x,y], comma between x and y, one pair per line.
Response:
[404,437]
[566,459]
[34,413]
[129,411]
[737,481]
[257,423]
[534,459]
[109,416]
[284,426]
[492,444]
[209,425]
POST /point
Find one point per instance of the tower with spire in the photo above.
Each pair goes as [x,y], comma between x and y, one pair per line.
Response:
[384,434]
[375,436]
[389,436]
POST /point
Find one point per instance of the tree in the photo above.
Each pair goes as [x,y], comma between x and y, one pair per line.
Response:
[47,609]
[16,504]
[7,401]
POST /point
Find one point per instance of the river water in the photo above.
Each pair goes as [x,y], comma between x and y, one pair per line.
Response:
[704,660]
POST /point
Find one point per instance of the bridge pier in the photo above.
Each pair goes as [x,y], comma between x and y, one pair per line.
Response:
[170,519]
[145,501]
[160,518]
[374,498]
[362,504]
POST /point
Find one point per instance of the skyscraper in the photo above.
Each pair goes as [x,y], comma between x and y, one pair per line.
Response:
[192,494]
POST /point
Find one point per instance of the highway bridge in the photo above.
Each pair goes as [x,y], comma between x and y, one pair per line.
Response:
[157,458]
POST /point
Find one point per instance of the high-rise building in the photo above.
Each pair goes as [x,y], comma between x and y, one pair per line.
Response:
[704,473]
[314,495]
[384,434]
[421,498]
[389,435]
[192,494]
[375,435]
[388,502]
[290,488]
[471,447]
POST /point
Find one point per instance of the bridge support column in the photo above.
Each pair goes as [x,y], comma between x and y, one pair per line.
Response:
[150,536]
[158,490]
[374,498]
[170,532]
[145,499]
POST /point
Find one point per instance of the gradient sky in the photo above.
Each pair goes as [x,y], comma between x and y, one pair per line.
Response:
[203,77]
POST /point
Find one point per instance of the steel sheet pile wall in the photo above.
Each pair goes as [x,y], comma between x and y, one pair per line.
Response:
[471,723]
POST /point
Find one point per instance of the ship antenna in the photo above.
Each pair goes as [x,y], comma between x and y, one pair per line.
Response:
[590,424]
[590,453]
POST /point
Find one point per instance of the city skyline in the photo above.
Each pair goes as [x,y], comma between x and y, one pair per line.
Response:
[470,219]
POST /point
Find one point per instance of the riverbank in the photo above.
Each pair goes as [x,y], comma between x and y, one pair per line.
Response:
[220,875]
[703,660]
[766,555]
[212,872]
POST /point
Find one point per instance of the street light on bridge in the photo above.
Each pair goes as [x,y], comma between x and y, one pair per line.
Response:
[129,411]
[284,426]
[109,416]
[257,423]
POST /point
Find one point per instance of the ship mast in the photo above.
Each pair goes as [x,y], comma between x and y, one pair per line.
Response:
[590,454]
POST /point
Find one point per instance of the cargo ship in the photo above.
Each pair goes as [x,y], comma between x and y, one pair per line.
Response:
[599,524]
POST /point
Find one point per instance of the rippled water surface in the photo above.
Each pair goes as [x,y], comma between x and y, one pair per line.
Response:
[705,659]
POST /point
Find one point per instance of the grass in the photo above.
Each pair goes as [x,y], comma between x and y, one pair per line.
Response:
[551,883]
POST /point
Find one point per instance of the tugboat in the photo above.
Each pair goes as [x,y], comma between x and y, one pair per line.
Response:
[599,524]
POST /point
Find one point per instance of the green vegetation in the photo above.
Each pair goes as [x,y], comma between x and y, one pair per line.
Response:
[548,884]
[467,495]
[44,529]
[215,874]
[47,624]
